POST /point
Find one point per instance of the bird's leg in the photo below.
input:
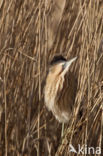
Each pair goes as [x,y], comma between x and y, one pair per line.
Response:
[62,132]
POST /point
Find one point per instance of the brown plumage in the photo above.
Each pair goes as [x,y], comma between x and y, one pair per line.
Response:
[60,89]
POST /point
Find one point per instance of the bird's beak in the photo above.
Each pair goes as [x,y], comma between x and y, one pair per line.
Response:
[67,65]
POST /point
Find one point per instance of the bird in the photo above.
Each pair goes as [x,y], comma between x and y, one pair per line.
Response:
[60,88]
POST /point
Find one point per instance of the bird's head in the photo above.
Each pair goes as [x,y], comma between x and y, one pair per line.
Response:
[59,66]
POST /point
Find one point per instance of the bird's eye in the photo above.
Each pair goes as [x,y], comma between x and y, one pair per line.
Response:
[63,66]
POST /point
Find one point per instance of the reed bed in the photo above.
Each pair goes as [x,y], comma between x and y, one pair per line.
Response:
[32,32]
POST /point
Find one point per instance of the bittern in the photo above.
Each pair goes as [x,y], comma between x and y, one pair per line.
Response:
[60,88]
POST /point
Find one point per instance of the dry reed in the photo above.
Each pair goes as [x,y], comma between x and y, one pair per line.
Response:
[32,32]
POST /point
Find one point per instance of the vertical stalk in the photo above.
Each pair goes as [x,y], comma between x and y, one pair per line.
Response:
[6,147]
[101,124]
[38,152]
[46,34]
